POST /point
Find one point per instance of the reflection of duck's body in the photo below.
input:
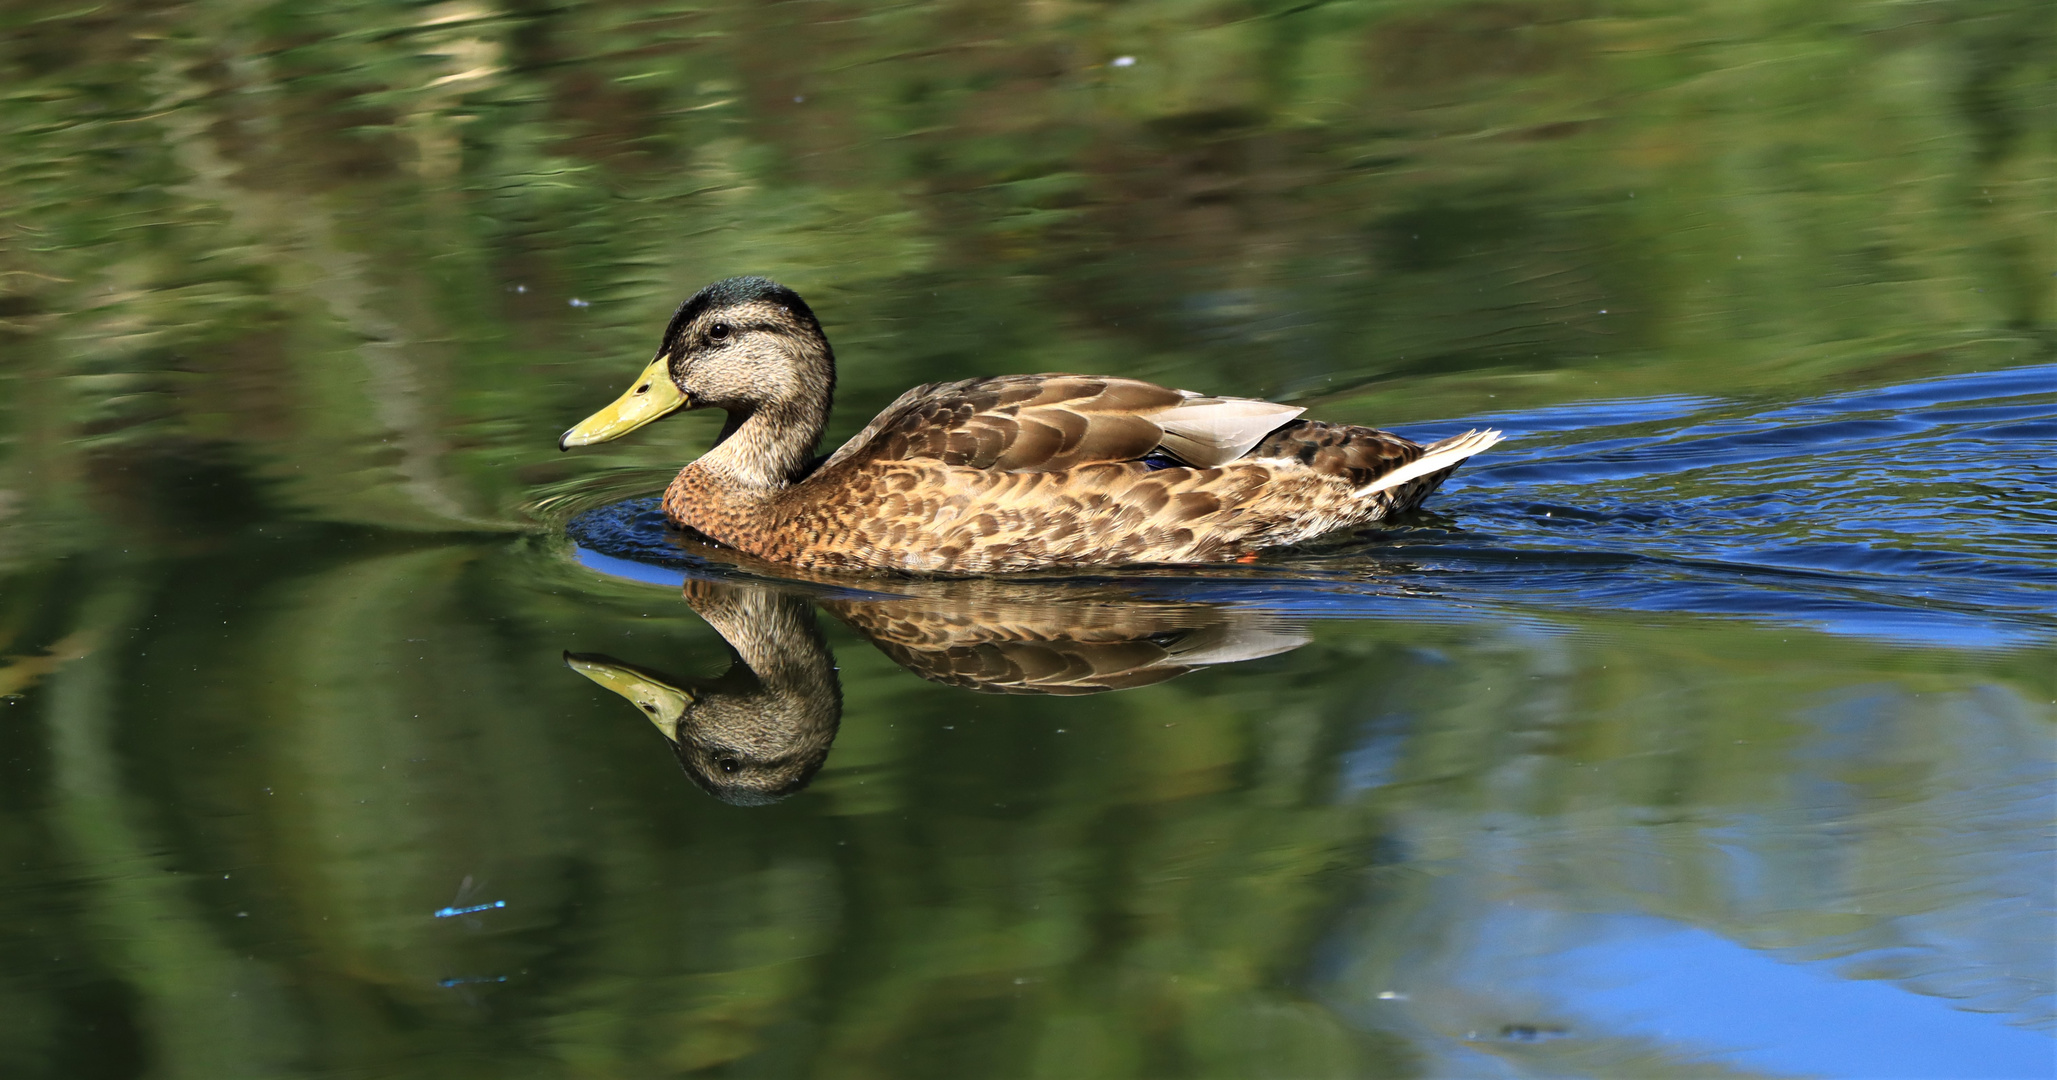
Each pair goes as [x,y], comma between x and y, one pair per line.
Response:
[1009,473]
[759,732]
[1071,646]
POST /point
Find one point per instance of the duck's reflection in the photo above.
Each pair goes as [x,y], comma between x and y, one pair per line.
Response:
[760,731]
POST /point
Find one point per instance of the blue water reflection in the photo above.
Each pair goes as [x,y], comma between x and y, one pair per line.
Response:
[1766,934]
[1627,993]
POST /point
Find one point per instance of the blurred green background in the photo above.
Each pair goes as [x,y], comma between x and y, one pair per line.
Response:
[294,298]
[333,246]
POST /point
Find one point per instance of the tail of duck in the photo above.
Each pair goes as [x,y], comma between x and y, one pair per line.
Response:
[1436,457]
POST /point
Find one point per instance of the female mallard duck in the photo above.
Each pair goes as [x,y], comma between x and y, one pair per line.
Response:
[1013,472]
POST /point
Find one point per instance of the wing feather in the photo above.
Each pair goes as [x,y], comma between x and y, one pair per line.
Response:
[1208,431]
[1046,423]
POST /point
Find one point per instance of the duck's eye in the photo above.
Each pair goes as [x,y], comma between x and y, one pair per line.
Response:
[728,764]
[719,332]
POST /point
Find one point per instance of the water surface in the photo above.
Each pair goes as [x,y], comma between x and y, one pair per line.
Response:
[1703,728]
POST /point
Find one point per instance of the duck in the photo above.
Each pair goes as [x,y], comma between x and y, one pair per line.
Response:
[999,474]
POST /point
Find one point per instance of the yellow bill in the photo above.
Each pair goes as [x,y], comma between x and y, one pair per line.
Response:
[662,703]
[653,395]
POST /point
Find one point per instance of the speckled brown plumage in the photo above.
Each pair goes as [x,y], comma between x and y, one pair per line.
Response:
[1010,473]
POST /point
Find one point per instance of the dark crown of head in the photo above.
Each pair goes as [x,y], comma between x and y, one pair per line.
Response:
[732,291]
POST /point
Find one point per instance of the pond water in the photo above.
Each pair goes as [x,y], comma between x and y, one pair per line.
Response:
[1702,728]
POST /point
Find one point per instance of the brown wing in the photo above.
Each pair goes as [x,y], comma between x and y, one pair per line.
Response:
[1031,423]
[1039,423]
[1358,455]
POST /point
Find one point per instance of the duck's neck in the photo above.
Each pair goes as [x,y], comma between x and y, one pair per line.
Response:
[765,448]
[728,492]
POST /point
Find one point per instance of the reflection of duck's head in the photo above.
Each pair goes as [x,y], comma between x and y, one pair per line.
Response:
[759,732]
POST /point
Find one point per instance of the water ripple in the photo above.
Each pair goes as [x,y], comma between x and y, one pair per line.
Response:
[1923,511]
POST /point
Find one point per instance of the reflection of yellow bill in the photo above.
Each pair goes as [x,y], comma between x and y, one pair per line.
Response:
[653,395]
[662,703]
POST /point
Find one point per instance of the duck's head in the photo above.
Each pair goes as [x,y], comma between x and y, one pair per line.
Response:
[745,344]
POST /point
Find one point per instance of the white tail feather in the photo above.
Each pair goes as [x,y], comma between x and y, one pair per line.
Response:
[1440,456]
[1208,431]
